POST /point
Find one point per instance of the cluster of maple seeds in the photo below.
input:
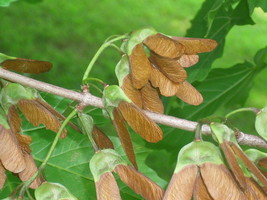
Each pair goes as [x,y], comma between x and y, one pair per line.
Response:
[157,66]
[15,152]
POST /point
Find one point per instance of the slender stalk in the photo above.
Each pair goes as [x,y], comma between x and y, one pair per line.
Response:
[90,100]
[27,183]
[65,122]
[98,53]
[255,110]
[198,132]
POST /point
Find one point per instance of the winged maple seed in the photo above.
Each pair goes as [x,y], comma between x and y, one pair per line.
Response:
[105,162]
[139,183]
[102,141]
[15,155]
[139,122]
[159,62]
[37,114]
[201,174]
[26,65]
[206,181]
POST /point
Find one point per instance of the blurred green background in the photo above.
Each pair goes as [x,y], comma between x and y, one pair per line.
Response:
[69,33]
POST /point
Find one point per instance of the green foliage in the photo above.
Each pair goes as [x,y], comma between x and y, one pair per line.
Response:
[214,20]
[6,3]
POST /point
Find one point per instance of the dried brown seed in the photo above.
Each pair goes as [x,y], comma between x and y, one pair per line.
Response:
[187,93]
[56,113]
[29,171]
[250,165]
[24,142]
[2,175]
[234,166]
[14,120]
[37,114]
[124,136]
[164,46]
[196,45]
[188,60]
[131,92]
[182,184]
[169,67]
[254,191]
[140,66]
[220,182]
[166,87]
[263,163]
[151,99]
[140,123]
[107,188]
[11,155]
[139,183]
[200,190]
[102,141]
[27,66]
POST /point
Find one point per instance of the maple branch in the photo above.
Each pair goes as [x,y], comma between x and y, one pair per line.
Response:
[88,99]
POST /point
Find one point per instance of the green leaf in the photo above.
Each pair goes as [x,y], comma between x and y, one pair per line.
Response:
[53,191]
[4,57]
[5,3]
[33,1]
[222,86]
[261,123]
[13,92]
[214,20]
[252,4]
[69,162]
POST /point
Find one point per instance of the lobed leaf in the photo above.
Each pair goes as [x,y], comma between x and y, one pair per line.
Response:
[107,188]
[140,123]
[187,93]
[124,136]
[151,99]
[169,67]
[140,67]
[27,66]
[164,46]
[214,20]
[139,183]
